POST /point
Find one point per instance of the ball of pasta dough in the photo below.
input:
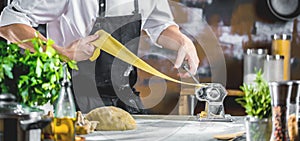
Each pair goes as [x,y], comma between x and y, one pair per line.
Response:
[111,118]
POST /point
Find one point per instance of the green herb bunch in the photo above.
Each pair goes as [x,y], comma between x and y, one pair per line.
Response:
[257,99]
[34,77]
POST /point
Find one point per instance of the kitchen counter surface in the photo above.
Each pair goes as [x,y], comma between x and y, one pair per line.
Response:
[170,128]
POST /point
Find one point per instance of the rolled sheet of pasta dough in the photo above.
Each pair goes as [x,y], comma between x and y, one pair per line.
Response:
[111,119]
[113,47]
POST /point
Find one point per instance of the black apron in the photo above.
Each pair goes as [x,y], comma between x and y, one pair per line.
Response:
[114,78]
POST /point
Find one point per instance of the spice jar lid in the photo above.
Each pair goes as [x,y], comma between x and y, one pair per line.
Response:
[281,37]
[281,83]
[279,92]
[295,90]
[256,51]
[11,109]
[274,57]
[297,82]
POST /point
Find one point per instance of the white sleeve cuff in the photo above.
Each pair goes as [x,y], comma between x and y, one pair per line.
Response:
[154,32]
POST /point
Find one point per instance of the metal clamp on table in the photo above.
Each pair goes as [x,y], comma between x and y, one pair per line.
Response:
[213,94]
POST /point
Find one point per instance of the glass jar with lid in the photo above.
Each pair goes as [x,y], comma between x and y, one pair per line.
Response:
[253,61]
[281,44]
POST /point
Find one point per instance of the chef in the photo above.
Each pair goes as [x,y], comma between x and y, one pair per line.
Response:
[72,24]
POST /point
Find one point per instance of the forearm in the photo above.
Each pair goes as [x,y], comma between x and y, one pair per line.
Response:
[172,38]
[19,32]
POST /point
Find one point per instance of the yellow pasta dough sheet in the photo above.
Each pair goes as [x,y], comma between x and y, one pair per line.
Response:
[107,43]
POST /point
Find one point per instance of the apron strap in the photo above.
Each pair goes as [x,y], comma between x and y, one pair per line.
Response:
[136,7]
[102,8]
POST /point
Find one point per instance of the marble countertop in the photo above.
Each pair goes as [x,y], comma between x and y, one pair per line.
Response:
[170,128]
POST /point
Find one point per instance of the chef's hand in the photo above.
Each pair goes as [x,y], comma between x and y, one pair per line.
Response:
[173,39]
[187,52]
[81,49]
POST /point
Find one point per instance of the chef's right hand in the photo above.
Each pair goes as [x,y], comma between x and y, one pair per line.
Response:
[81,49]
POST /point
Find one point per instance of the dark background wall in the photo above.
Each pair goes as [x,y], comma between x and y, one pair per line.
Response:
[242,24]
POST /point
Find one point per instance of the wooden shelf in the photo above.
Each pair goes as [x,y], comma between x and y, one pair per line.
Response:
[191,91]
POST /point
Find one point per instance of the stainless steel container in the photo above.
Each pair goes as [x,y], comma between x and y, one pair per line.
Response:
[258,129]
[280,94]
[293,114]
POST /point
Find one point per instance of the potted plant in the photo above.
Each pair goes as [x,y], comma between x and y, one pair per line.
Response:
[33,77]
[257,104]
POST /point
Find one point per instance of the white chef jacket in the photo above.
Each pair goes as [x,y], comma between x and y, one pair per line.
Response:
[69,20]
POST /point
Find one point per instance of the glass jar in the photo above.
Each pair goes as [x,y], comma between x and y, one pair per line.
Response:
[273,68]
[253,61]
[258,129]
[281,44]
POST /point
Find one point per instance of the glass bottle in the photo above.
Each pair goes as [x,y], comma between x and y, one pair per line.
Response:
[65,112]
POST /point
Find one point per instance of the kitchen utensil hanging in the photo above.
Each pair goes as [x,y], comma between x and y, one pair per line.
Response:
[285,9]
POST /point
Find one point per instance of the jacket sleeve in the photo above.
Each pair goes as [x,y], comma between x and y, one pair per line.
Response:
[160,18]
[32,12]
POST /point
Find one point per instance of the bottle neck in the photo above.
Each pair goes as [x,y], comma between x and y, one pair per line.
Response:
[65,106]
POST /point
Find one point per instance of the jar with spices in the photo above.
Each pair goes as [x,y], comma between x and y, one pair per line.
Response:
[281,44]
[292,115]
[280,93]
[297,87]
